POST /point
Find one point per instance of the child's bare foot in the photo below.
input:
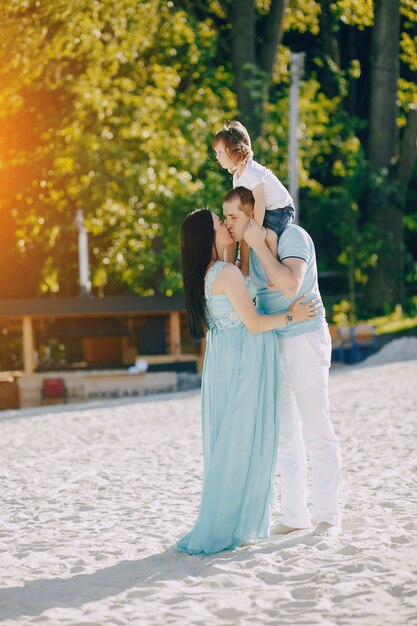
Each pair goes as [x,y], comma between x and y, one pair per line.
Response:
[282,529]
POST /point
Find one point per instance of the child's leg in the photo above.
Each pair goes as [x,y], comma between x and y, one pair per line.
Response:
[271,241]
[278,219]
[275,221]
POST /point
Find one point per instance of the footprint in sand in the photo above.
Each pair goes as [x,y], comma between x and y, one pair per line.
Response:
[138,594]
[400,539]
[77,569]
[229,614]
[400,591]
[349,550]
[271,579]
[354,568]
[305,577]
[305,593]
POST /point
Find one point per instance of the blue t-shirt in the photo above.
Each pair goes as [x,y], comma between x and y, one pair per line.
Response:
[294,242]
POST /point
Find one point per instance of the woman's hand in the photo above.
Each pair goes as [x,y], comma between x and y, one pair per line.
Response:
[302,312]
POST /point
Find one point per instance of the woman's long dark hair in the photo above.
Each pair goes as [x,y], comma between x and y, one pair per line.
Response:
[197,244]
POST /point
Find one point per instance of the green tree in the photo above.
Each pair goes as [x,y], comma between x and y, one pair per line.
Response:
[251,32]
[110,106]
[119,103]
[391,164]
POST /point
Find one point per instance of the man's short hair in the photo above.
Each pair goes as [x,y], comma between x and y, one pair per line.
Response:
[247,201]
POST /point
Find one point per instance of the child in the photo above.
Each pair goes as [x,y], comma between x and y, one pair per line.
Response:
[274,207]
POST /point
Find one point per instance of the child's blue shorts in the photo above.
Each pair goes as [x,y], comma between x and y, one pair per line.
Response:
[278,219]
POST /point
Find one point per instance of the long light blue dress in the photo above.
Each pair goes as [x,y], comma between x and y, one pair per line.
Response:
[240,430]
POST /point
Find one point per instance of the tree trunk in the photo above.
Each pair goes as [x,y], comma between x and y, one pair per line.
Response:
[408,147]
[384,81]
[271,32]
[385,286]
[329,50]
[254,46]
[242,19]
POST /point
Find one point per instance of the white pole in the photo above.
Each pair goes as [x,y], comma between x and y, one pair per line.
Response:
[297,62]
[85,285]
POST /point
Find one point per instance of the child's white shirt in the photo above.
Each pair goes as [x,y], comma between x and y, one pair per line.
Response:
[276,195]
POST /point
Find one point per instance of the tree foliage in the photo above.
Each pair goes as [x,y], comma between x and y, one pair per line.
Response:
[106,109]
[110,106]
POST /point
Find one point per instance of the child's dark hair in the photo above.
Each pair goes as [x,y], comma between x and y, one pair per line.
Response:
[197,242]
[236,141]
[247,201]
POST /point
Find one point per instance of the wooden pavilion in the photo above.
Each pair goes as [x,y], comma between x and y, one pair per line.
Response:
[111,332]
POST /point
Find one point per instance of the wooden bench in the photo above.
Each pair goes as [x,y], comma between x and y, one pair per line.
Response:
[338,353]
[352,344]
[365,336]
[9,393]
[169,359]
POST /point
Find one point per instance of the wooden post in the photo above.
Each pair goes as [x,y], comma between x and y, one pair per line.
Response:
[174,333]
[28,346]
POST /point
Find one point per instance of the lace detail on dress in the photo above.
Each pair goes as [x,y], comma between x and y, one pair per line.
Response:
[225,320]
[211,276]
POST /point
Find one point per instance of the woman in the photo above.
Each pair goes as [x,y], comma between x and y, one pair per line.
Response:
[239,403]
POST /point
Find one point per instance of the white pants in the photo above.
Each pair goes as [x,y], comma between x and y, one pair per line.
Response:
[304,406]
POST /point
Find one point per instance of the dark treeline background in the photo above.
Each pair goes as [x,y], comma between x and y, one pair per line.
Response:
[110,106]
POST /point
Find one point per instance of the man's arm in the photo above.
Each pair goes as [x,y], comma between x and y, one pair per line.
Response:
[287,276]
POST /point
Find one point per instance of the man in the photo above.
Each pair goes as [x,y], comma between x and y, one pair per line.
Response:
[305,351]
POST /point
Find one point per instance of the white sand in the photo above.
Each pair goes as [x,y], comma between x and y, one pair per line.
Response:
[94,497]
[403,349]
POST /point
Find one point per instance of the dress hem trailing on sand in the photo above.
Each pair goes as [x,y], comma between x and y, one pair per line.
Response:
[240,430]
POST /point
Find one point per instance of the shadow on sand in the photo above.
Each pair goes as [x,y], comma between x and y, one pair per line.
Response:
[37,596]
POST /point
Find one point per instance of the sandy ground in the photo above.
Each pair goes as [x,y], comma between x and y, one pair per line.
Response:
[94,497]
